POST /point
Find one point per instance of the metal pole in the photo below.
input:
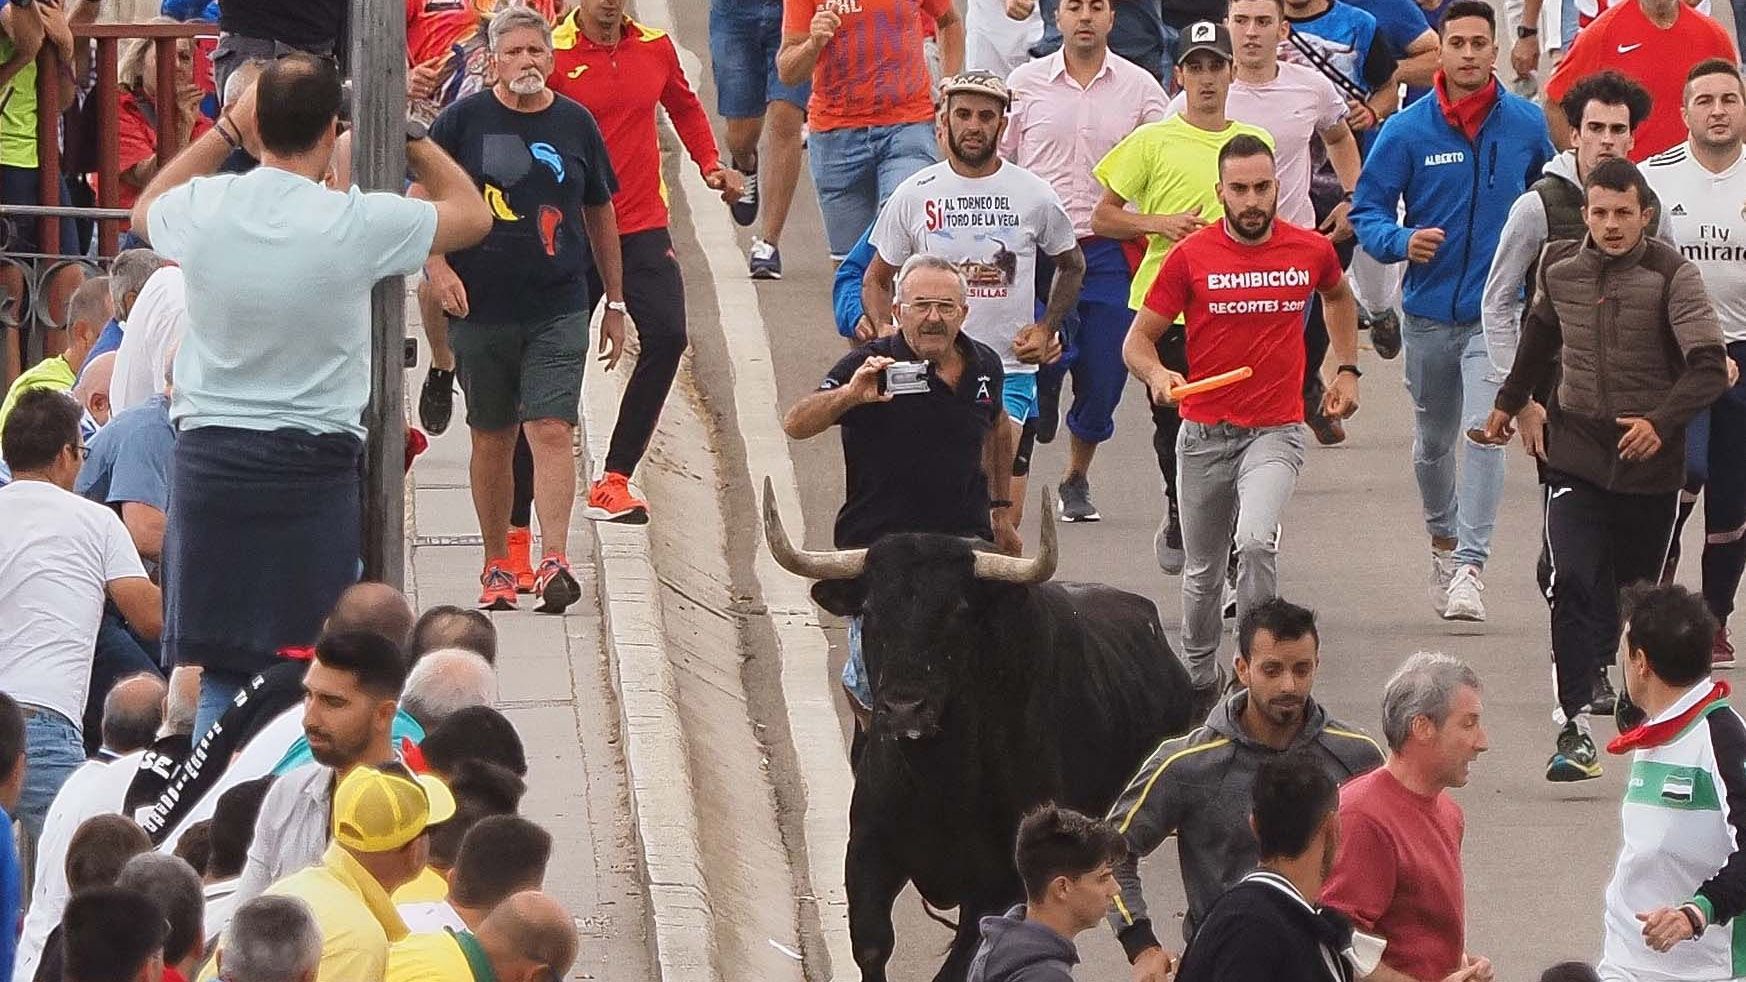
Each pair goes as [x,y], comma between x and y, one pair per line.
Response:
[378,63]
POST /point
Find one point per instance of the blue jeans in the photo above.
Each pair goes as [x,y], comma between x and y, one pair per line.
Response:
[217,690]
[118,654]
[856,168]
[743,38]
[1452,383]
[52,752]
[855,667]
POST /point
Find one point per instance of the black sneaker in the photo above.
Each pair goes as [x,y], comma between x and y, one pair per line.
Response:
[745,210]
[1384,333]
[1076,503]
[1576,758]
[765,262]
[1606,700]
[436,401]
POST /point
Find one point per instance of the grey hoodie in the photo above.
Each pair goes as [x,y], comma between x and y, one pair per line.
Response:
[1016,950]
[1197,788]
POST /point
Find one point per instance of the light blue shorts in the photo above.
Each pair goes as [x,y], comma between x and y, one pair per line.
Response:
[1020,396]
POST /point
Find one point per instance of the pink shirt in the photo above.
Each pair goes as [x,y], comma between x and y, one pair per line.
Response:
[1059,131]
[1299,103]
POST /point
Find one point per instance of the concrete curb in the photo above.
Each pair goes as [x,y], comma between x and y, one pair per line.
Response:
[659,769]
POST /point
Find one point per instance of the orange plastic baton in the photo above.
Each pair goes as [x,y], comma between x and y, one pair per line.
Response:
[1210,383]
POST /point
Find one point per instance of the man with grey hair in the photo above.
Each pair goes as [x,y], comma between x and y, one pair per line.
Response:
[445,681]
[175,889]
[1399,869]
[519,301]
[928,392]
[157,318]
[271,939]
[128,273]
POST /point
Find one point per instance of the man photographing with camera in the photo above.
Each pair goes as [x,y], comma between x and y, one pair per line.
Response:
[924,446]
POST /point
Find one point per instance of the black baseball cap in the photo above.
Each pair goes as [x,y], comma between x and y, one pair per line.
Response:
[1203,35]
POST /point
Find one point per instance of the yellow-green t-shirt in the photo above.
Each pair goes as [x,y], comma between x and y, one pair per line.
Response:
[1166,168]
[18,119]
[50,373]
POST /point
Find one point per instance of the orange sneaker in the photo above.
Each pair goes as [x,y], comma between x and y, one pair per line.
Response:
[499,586]
[557,589]
[520,562]
[610,500]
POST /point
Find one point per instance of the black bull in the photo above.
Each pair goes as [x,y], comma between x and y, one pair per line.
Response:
[993,691]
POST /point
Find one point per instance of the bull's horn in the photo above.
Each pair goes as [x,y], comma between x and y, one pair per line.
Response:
[838,564]
[1015,569]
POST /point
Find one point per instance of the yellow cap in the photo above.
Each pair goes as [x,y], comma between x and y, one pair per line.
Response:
[380,809]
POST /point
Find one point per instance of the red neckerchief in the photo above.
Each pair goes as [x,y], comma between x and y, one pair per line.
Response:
[298,652]
[1655,734]
[1468,114]
[413,757]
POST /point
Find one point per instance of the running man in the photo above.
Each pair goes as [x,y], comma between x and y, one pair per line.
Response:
[744,36]
[1169,170]
[997,221]
[622,72]
[1243,285]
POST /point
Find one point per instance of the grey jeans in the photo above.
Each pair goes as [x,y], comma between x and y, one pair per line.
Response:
[1225,475]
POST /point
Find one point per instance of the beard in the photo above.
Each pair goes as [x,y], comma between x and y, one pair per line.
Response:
[1250,224]
[527,84]
[338,753]
[973,158]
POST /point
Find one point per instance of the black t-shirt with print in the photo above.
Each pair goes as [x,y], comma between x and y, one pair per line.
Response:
[537,172]
[914,464]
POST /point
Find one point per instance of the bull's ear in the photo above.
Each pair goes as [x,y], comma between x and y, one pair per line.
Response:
[841,597]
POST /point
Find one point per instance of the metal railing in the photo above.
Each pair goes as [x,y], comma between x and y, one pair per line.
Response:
[35,286]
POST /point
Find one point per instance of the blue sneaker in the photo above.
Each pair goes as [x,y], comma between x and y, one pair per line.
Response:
[766,263]
[745,210]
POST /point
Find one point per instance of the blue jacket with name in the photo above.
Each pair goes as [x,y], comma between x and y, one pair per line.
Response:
[1463,187]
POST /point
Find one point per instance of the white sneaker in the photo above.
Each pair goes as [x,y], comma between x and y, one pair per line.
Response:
[1462,602]
[1442,574]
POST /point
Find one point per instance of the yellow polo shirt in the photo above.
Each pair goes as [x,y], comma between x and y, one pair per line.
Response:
[443,956]
[356,916]
[429,888]
[1167,168]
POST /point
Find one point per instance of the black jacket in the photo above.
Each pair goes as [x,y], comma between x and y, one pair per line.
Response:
[1260,932]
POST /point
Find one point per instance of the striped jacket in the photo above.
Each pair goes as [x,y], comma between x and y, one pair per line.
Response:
[1683,824]
[1197,788]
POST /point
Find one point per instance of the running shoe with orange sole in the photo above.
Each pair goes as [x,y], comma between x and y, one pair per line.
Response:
[556,588]
[610,500]
[499,586]
[520,561]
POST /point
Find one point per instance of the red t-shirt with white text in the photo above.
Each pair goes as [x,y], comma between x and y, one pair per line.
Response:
[1245,305]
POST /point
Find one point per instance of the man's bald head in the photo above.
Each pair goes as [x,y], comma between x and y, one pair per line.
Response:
[527,931]
[374,607]
[92,390]
[132,712]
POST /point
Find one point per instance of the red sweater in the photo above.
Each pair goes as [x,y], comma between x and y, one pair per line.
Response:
[621,85]
[1399,873]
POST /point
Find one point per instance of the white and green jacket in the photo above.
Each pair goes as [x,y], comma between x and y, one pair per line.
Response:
[1683,825]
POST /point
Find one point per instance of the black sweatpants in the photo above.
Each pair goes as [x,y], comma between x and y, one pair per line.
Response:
[655,294]
[1166,423]
[1598,542]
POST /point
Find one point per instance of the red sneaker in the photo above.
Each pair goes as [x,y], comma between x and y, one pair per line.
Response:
[499,586]
[1722,650]
[557,589]
[520,561]
[610,500]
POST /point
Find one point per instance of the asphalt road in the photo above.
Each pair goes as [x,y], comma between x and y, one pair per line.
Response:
[1537,855]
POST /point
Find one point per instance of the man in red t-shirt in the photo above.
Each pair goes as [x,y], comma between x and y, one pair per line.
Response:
[1655,43]
[1398,874]
[1243,286]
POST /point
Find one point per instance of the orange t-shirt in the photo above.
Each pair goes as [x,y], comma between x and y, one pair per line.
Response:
[872,73]
[436,27]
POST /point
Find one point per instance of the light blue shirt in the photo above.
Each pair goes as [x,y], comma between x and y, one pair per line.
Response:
[279,271]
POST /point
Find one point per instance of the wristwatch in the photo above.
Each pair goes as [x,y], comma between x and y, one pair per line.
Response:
[617,305]
[1350,370]
[416,130]
[1523,33]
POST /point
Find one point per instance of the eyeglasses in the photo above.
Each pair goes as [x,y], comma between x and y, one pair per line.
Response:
[83,451]
[940,308]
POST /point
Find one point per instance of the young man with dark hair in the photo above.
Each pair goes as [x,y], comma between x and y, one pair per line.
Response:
[1268,927]
[1691,178]
[1066,861]
[352,694]
[500,856]
[66,556]
[93,857]
[1625,325]
[475,733]
[113,935]
[1184,787]
[1242,287]
[1681,874]
[1457,161]
[172,885]
[233,828]
[273,374]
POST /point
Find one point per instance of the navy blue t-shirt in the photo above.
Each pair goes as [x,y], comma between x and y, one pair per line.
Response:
[1344,44]
[537,171]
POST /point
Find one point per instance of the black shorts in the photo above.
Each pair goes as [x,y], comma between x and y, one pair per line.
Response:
[512,373]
